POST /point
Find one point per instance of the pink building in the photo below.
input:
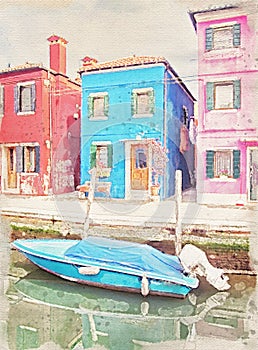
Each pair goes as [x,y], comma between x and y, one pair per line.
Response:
[227,143]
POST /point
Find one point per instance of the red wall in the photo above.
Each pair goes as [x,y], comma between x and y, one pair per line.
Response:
[59,172]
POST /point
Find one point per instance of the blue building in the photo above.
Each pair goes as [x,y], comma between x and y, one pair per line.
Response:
[135,117]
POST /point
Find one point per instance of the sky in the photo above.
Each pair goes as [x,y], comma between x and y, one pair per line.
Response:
[103,29]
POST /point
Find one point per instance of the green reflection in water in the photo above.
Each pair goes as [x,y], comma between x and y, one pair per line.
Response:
[47,310]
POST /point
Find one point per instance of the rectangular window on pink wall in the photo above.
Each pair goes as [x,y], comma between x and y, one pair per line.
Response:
[223,95]
[223,36]
[223,163]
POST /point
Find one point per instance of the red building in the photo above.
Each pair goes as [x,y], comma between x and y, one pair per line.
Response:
[39,126]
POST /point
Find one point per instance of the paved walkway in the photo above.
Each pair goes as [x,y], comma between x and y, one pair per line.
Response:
[69,208]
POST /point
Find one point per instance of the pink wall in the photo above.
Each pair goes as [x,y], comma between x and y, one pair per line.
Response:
[229,128]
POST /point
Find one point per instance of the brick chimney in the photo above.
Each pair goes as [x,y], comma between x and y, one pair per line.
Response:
[57,54]
[89,61]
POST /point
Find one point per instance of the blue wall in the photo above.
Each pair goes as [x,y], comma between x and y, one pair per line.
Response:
[120,124]
[177,97]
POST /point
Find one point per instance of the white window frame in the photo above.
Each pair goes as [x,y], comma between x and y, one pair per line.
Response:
[95,96]
[143,91]
[226,171]
[19,97]
[219,101]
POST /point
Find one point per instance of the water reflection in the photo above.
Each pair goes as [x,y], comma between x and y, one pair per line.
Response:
[46,312]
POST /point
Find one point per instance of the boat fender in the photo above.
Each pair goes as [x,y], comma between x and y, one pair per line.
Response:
[88,270]
[145,306]
[145,286]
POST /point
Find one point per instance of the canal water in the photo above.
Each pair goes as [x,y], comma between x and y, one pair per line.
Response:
[41,311]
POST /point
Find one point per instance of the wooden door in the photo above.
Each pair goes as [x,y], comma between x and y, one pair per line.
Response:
[11,168]
[139,167]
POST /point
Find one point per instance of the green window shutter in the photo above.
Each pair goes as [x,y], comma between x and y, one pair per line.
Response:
[110,156]
[19,159]
[106,105]
[90,107]
[210,164]
[237,94]
[1,99]
[210,96]
[237,35]
[151,101]
[236,164]
[93,151]
[134,103]
[209,38]
[37,166]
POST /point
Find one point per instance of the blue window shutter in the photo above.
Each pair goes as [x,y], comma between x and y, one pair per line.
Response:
[93,151]
[237,94]
[1,99]
[210,164]
[236,164]
[209,38]
[19,159]
[33,97]
[90,107]
[237,35]
[110,155]
[106,105]
[134,103]
[210,96]
[37,151]
[16,99]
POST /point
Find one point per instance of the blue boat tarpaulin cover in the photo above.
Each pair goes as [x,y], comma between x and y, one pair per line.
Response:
[139,257]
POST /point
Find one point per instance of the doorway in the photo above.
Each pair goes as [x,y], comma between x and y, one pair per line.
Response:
[253,184]
[139,167]
[11,168]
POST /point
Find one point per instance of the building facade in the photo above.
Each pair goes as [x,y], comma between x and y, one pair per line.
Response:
[134,126]
[39,126]
[227,165]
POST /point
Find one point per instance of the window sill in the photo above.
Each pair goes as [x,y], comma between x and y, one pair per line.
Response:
[103,117]
[222,110]
[26,113]
[233,52]
[222,179]
[29,173]
[142,115]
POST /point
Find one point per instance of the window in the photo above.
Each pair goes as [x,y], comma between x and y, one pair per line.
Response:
[143,102]
[227,36]
[27,338]
[1,100]
[25,98]
[140,159]
[27,159]
[223,95]
[101,157]
[223,163]
[185,116]
[98,105]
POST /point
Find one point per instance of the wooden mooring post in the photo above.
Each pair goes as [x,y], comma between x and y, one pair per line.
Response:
[89,202]
[178,197]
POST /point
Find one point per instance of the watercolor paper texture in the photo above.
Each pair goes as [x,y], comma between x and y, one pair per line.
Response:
[116,96]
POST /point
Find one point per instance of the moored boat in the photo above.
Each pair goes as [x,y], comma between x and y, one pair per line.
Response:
[110,264]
